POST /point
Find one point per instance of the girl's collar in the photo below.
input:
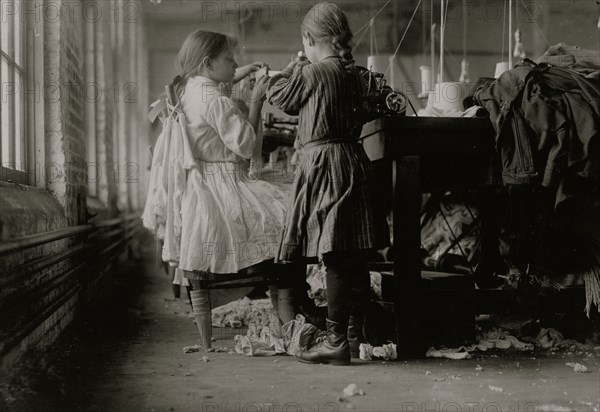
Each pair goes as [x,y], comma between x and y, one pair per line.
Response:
[202,79]
[205,82]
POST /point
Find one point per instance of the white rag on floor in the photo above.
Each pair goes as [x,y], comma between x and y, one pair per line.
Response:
[385,352]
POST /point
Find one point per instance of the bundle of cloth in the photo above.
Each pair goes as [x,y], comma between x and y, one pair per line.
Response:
[272,339]
[242,312]
[546,120]
[451,219]
[546,116]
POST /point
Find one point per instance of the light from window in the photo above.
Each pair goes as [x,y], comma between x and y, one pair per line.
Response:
[12,82]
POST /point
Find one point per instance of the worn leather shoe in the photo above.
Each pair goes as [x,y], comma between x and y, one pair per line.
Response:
[333,349]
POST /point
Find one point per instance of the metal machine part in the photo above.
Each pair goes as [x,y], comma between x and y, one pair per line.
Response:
[381,99]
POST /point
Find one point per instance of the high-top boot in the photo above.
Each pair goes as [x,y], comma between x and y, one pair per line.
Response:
[355,334]
[202,315]
[333,349]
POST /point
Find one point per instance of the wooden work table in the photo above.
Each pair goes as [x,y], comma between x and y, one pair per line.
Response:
[423,154]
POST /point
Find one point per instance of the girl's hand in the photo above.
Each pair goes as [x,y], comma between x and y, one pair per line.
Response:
[256,66]
[259,93]
[264,71]
[255,169]
[244,71]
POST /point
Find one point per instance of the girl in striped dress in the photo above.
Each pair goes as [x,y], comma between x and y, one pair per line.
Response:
[331,213]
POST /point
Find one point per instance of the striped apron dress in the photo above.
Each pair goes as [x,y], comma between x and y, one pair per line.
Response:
[332,206]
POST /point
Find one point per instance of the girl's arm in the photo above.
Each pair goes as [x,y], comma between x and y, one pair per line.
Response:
[233,127]
[244,71]
[255,118]
[290,89]
[237,132]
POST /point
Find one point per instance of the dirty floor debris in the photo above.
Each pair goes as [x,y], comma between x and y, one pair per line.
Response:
[133,360]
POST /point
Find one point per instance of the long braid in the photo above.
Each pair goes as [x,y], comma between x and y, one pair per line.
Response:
[325,21]
[344,50]
[179,83]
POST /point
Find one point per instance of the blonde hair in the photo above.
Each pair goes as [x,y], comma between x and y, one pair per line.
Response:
[196,47]
[326,22]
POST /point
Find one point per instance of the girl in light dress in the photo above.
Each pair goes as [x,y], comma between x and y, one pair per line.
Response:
[232,223]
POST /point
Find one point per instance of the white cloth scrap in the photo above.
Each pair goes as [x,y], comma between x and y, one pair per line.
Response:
[385,352]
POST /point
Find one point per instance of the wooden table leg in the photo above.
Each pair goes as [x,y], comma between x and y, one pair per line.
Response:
[407,261]
[490,260]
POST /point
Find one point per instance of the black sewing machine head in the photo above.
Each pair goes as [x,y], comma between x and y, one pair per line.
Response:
[380,99]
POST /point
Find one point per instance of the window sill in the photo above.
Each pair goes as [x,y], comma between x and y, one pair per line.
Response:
[28,210]
[12,176]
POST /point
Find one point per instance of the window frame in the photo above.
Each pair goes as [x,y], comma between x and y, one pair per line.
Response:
[32,104]
[90,34]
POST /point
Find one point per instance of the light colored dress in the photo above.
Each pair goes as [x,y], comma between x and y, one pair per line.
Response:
[229,220]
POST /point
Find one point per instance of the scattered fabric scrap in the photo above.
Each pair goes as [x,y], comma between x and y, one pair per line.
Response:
[258,341]
[453,353]
[550,338]
[218,349]
[554,408]
[578,367]
[352,390]
[385,352]
[192,349]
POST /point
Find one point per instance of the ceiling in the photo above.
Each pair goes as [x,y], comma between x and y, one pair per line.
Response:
[199,10]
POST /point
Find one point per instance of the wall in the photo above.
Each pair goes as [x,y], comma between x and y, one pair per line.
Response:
[272,33]
[54,255]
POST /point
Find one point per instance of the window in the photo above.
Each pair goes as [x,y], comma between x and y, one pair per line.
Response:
[13,74]
[91,106]
[21,110]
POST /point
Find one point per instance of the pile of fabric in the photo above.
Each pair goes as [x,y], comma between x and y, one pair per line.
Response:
[243,312]
[547,122]
[269,340]
[441,228]
[496,338]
